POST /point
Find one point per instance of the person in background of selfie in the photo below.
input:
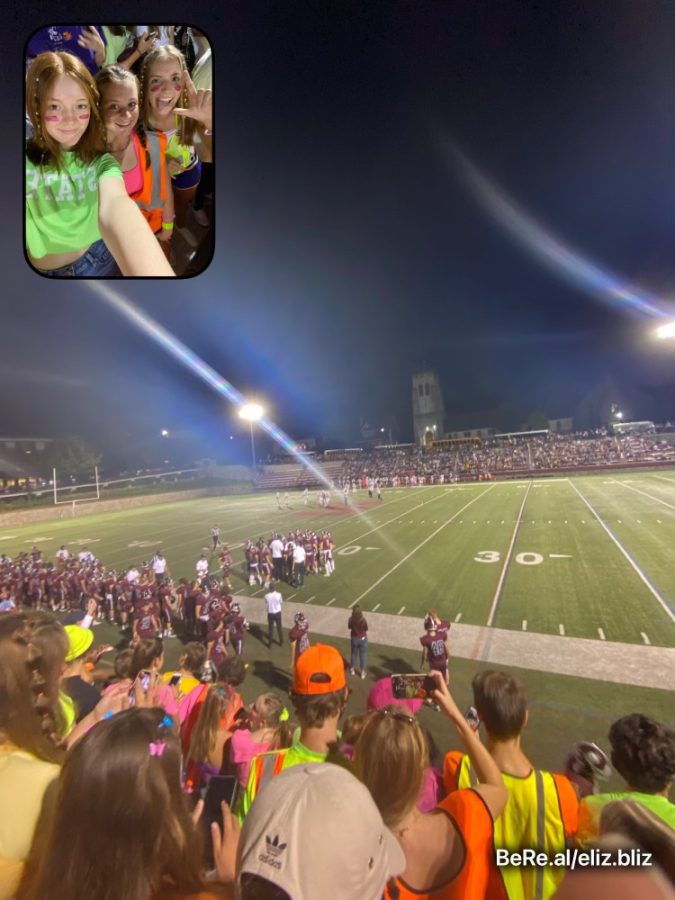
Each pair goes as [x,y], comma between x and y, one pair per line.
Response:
[141,157]
[86,42]
[266,729]
[80,222]
[448,851]
[123,48]
[542,806]
[358,628]
[108,841]
[30,745]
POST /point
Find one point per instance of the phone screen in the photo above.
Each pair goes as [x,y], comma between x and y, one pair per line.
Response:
[174,680]
[221,788]
[412,686]
[144,677]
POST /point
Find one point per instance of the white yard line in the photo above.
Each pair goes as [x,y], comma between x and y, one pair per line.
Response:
[425,541]
[645,638]
[507,560]
[669,612]
[601,634]
[331,601]
[561,629]
[400,610]
[458,617]
[524,624]
[376,607]
[645,494]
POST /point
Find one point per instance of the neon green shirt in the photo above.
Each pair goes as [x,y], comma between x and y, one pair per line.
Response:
[590,809]
[62,205]
[292,756]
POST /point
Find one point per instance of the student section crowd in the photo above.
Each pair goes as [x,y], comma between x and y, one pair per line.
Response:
[108,773]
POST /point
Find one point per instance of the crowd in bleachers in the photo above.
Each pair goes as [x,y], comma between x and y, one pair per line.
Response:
[129,781]
[410,465]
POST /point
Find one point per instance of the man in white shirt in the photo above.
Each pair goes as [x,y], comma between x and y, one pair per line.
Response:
[159,566]
[274,601]
[277,548]
[299,557]
[202,568]
[63,555]
[133,575]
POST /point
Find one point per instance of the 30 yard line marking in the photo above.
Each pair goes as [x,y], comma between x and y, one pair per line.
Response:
[601,634]
[507,560]
[669,612]
[645,638]
[420,545]
[645,494]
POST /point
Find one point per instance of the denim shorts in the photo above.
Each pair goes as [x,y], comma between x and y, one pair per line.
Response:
[97,262]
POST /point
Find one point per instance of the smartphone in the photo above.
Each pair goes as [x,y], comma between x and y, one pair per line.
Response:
[175,680]
[471,716]
[221,788]
[412,686]
[144,677]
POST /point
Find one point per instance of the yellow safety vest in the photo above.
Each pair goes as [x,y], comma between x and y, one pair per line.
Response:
[541,813]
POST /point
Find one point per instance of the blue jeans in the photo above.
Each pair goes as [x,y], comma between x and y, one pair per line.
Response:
[359,647]
[97,262]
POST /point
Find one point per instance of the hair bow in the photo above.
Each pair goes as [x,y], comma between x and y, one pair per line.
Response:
[167,722]
[284,715]
[156,748]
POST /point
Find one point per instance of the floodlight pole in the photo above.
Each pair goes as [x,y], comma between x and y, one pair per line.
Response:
[98,493]
[252,445]
[54,483]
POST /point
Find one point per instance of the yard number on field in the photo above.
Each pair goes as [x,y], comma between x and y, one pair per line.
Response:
[525,559]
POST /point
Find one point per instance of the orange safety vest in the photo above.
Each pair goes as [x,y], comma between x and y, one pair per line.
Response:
[474,881]
[541,813]
[152,196]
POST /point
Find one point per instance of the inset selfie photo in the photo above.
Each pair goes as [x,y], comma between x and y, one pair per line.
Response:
[119,151]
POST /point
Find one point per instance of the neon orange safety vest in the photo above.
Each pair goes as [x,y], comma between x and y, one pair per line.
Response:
[541,813]
[152,196]
[472,818]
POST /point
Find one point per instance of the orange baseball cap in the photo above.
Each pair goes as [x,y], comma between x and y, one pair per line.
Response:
[319,670]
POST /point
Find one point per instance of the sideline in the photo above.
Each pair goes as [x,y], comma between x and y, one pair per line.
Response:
[634,664]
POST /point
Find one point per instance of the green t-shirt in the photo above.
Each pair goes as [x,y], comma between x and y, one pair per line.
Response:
[591,807]
[62,205]
[115,45]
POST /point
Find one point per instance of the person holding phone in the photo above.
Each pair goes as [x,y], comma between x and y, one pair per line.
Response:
[358,628]
[449,850]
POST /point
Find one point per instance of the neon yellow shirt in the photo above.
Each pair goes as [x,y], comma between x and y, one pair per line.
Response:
[62,205]
[591,807]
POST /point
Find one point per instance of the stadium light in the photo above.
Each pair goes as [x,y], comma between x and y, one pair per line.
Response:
[618,414]
[666,331]
[251,412]
[164,432]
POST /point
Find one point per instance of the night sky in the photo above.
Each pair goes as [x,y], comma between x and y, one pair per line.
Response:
[349,253]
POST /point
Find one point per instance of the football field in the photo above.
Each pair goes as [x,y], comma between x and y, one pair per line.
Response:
[586,557]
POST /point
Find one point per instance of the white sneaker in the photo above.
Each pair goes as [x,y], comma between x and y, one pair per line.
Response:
[352,672]
[363,674]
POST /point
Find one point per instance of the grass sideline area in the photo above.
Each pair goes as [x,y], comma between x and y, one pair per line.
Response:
[563,710]
[587,557]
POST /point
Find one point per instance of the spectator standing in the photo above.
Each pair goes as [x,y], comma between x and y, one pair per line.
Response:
[358,628]
[268,729]
[319,697]
[82,692]
[542,807]
[274,601]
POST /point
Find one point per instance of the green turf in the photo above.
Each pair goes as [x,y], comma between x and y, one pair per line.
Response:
[445,547]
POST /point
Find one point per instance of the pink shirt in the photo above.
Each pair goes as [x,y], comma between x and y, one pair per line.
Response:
[242,750]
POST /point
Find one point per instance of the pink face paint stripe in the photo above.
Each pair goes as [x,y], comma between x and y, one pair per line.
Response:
[85,116]
[52,118]
[155,88]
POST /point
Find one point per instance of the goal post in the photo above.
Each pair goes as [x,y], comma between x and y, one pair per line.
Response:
[95,494]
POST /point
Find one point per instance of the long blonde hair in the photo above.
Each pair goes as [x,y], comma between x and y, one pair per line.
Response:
[392,742]
[187,127]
